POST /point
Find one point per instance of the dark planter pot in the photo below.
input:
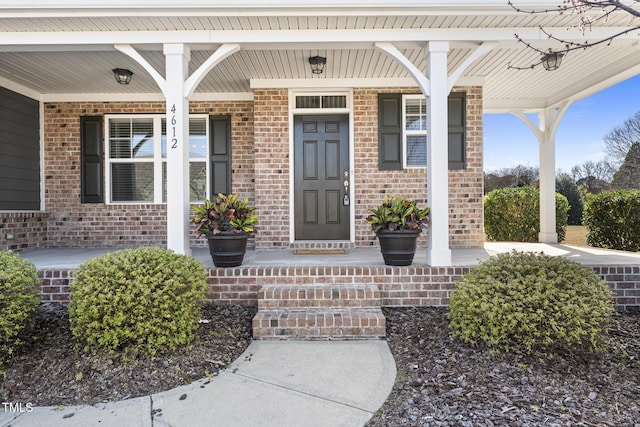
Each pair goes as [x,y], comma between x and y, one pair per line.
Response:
[227,248]
[398,246]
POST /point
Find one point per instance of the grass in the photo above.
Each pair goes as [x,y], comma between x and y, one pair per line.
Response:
[576,235]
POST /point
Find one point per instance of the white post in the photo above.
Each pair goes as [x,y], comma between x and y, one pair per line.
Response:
[438,253]
[547,177]
[177,60]
[545,132]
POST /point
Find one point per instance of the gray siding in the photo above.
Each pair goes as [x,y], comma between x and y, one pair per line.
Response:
[19,152]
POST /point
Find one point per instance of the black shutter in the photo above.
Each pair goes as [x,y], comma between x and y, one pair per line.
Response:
[91,154]
[389,131]
[457,131]
[220,139]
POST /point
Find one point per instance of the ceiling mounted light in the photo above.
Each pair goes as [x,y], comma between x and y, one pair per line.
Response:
[122,75]
[317,64]
[551,61]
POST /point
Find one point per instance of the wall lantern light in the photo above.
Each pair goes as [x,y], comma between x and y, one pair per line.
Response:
[122,75]
[317,64]
[551,61]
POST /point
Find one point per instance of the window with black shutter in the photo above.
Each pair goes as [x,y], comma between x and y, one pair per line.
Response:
[402,133]
[91,154]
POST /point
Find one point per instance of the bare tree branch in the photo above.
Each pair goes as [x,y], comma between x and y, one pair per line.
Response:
[581,9]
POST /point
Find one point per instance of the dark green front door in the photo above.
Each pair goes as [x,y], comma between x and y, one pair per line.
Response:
[321,167]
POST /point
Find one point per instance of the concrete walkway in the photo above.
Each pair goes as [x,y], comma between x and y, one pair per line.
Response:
[274,383]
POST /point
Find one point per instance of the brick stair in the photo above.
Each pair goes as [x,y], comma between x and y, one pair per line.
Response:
[319,312]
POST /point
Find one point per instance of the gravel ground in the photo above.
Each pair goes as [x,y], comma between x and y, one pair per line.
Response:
[440,382]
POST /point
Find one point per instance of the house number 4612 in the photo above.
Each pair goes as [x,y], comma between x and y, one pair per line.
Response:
[174,140]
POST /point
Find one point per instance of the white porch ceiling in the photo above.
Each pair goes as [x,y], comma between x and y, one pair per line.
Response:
[69,51]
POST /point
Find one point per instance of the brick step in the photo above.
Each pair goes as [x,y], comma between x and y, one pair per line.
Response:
[318,296]
[315,323]
[319,312]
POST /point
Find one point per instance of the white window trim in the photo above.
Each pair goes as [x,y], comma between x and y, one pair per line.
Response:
[157,158]
[406,132]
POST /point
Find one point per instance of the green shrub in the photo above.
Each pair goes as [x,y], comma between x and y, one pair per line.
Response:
[19,299]
[513,215]
[143,299]
[526,302]
[613,220]
[566,186]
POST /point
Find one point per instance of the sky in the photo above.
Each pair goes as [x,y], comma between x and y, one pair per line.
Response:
[508,142]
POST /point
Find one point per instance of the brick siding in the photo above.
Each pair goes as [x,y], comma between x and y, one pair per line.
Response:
[72,223]
[260,171]
[23,230]
[399,286]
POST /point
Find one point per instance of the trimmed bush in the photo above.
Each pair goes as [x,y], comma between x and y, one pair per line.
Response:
[613,220]
[513,215]
[566,186]
[526,302]
[19,299]
[143,299]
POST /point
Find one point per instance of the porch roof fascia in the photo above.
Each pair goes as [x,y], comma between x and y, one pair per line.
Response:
[259,39]
[117,7]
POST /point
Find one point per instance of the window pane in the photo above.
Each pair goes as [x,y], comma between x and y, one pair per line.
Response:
[132,182]
[130,138]
[197,181]
[312,101]
[197,138]
[417,150]
[337,101]
[163,141]
[416,114]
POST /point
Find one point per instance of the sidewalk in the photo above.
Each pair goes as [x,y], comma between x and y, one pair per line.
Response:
[274,383]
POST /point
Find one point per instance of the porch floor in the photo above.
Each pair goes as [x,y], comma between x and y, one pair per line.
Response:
[69,258]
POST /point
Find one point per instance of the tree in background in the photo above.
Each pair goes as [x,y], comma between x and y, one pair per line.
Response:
[566,186]
[519,176]
[628,176]
[621,138]
[594,177]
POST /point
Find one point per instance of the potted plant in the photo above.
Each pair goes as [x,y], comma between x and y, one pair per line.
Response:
[227,223]
[397,223]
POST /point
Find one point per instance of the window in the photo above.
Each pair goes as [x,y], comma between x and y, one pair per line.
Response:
[414,109]
[402,133]
[321,101]
[137,159]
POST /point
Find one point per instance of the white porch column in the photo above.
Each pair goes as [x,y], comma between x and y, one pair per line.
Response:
[547,178]
[545,132]
[438,252]
[177,60]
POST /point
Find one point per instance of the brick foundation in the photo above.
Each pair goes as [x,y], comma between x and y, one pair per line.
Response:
[399,286]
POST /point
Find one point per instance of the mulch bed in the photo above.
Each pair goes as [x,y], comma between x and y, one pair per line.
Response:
[440,381]
[49,372]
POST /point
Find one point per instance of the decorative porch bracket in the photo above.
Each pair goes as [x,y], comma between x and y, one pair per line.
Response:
[418,76]
[549,120]
[435,86]
[479,52]
[177,89]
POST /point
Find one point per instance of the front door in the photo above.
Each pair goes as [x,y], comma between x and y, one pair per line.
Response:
[321,177]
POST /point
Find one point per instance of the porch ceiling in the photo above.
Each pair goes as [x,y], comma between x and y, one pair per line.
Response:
[68,51]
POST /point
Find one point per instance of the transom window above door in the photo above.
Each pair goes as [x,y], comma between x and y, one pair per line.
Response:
[136,158]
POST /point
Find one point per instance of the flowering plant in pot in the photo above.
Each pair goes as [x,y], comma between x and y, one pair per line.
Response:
[397,223]
[226,222]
